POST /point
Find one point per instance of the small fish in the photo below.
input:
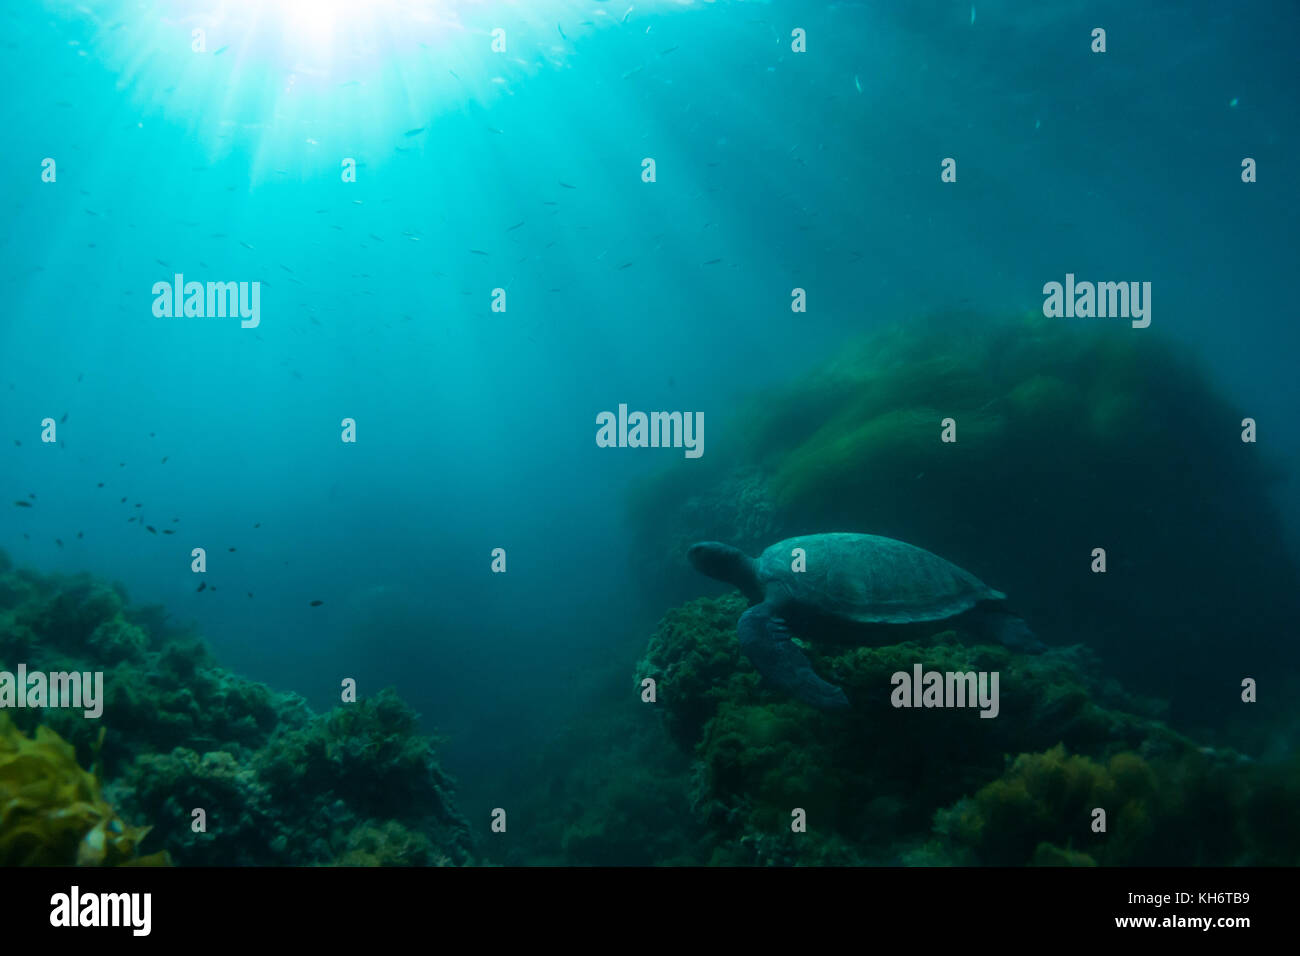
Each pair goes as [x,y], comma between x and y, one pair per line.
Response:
[667,51]
[18,443]
[59,542]
[202,586]
[516,226]
[713,262]
[32,495]
[122,502]
[567,186]
[561,29]
[493,129]
[547,202]
[176,520]
[164,459]
[150,528]
[64,418]
[168,531]
[101,485]
[221,51]
[80,534]
[415,132]
[857,83]
[246,245]
[478,252]
[633,72]
[129,520]
[258,525]
[626,15]
[317,603]
[22,504]
[250,593]
[625,265]
[454,73]
[230,549]
[139,504]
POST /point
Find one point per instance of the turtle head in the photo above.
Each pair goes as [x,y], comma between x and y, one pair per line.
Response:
[725,563]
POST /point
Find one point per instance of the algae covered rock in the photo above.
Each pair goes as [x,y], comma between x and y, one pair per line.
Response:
[275,783]
[373,757]
[876,783]
[390,844]
[691,656]
[1068,438]
[1198,807]
[238,821]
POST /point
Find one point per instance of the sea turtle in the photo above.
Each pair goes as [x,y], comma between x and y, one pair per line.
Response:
[850,588]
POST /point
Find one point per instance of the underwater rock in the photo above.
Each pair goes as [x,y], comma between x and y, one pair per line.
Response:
[692,656]
[875,781]
[389,844]
[1193,808]
[1069,438]
[277,783]
[239,818]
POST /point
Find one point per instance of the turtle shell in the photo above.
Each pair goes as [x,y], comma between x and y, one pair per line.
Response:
[870,579]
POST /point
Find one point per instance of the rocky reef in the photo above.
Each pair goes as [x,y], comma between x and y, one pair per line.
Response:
[881,784]
[1069,438]
[275,782]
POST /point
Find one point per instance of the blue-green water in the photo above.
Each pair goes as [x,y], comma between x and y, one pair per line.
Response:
[390,181]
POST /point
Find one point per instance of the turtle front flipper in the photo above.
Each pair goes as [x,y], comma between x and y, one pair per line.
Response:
[765,640]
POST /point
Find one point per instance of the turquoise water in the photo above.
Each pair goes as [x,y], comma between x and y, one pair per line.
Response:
[390,182]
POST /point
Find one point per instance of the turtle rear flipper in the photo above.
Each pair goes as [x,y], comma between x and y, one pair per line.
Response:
[1006,628]
[765,640]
